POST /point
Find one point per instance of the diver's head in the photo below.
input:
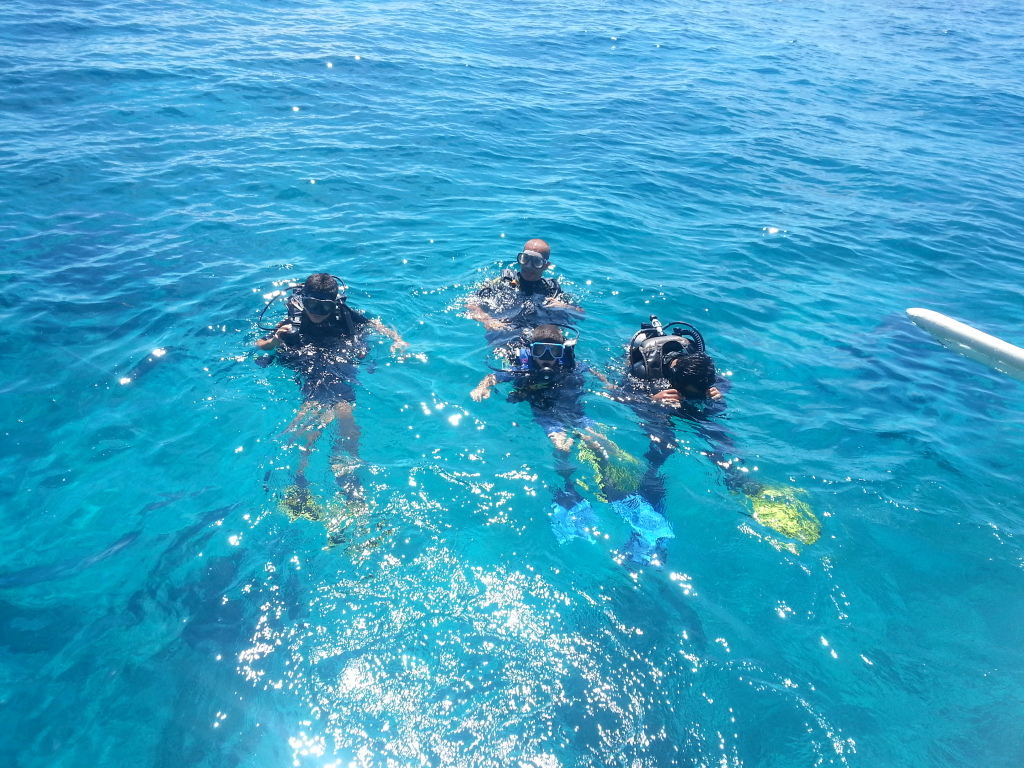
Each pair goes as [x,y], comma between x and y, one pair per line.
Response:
[691,375]
[534,259]
[547,347]
[319,297]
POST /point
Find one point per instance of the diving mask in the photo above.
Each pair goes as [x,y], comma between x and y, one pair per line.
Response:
[532,259]
[541,350]
[319,306]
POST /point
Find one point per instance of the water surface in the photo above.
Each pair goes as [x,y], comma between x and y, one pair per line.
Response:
[788,176]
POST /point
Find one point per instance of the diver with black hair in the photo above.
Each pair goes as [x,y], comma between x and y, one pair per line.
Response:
[544,373]
[518,300]
[669,374]
[323,340]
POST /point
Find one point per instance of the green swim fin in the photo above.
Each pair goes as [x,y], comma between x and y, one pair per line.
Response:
[778,508]
[615,471]
[298,503]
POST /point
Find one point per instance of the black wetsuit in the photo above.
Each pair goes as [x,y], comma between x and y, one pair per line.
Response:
[520,304]
[656,420]
[557,404]
[324,355]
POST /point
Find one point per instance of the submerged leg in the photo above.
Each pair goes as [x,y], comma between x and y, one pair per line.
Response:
[345,460]
[636,498]
[307,426]
[572,516]
[348,430]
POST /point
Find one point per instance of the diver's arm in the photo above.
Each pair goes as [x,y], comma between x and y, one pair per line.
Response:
[562,300]
[672,398]
[398,343]
[476,312]
[557,302]
[603,379]
[483,389]
[667,397]
[275,339]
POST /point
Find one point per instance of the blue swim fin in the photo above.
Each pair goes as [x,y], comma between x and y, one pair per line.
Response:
[572,523]
[649,526]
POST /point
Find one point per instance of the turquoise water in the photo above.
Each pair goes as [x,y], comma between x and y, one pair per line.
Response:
[790,176]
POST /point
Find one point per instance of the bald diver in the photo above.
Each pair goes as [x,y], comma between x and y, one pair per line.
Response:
[523,298]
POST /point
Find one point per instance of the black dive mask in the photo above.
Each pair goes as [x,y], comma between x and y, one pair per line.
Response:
[322,304]
[532,259]
[319,305]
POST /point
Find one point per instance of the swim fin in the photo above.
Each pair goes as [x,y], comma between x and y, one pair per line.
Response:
[650,529]
[298,503]
[572,523]
[611,472]
[778,508]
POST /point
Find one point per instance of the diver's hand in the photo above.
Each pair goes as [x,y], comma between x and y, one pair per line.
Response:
[667,397]
[483,389]
[552,303]
[714,394]
[398,347]
[561,441]
[276,339]
[495,325]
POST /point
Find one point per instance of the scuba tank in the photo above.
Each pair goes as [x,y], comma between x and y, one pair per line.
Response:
[649,345]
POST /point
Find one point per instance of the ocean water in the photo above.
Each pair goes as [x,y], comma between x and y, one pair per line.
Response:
[789,176]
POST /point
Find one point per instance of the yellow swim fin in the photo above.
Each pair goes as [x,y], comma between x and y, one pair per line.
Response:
[779,508]
[298,503]
[614,470]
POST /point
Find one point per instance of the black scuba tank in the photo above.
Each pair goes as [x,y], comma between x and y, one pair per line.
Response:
[649,345]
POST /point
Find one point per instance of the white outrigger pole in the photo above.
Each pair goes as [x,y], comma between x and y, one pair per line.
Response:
[971,342]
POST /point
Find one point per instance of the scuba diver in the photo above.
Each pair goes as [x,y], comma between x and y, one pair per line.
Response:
[519,300]
[545,374]
[323,339]
[669,373]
